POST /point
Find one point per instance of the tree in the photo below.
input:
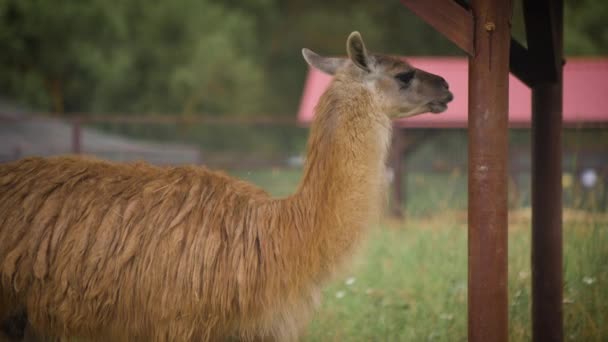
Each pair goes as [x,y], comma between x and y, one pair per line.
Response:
[216,57]
[131,56]
[585,29]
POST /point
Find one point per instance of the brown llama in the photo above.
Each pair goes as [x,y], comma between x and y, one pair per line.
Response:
[96,250]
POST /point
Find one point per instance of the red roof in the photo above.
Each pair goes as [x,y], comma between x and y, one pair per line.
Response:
[585,93]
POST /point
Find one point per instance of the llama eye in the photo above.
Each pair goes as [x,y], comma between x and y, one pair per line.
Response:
[405,78]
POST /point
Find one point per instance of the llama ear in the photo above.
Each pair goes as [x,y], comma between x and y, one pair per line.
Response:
[357,51]
[328,65]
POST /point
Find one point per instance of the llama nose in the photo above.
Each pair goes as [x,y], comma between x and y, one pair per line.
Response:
[444,83]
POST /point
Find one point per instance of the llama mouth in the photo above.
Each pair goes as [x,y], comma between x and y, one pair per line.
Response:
[440,105]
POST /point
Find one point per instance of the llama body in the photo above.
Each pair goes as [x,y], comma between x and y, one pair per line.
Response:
[111,251]
[77,268]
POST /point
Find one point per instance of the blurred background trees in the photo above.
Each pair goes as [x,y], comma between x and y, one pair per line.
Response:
[129,56]
[207,56]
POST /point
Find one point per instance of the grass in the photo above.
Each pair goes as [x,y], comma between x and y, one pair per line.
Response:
[409,282]
[410,285]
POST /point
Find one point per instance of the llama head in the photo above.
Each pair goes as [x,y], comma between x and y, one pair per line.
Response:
[401,89]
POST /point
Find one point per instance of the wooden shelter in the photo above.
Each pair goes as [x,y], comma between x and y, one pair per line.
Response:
[482,28]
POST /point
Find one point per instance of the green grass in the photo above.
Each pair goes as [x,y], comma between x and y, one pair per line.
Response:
[410,285]
[409,281]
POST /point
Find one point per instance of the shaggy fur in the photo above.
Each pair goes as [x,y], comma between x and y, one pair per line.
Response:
[99,250]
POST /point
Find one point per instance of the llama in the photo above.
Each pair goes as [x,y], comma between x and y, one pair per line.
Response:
[96,250]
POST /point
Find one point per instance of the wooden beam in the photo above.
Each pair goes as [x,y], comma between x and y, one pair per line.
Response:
[521,65]
[199,119]
[405,142]
[547,240]
[541,39]
[397,153]
[488,172]
[76,137]
[449,18]
[540,62]
[547,255]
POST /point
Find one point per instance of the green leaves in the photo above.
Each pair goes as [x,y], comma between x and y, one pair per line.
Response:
[585,30]
[131,56]
[207,56]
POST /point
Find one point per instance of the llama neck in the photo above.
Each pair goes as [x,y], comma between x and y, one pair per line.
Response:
[344,175]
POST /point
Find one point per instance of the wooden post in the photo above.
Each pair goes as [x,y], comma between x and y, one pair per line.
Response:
[547,279]
[488,171]
[17,152]
[397,151]
[76,137]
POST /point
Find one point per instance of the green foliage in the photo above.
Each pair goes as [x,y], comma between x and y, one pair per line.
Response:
[218,57]
[132,56]
[585,30]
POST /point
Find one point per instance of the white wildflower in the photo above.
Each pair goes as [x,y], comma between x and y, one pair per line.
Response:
[340,294]
[589,178]
[350,281]
[568,301]
[446,316]
[589,280]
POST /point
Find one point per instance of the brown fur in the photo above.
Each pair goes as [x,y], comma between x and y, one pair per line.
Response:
[107,251]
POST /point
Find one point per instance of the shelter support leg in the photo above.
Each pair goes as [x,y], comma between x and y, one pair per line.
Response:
[547,96]
[397,152]
[547,277]
[488,172]
[546,214]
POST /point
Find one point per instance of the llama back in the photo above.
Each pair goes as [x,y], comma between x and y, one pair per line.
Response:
[84,242]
